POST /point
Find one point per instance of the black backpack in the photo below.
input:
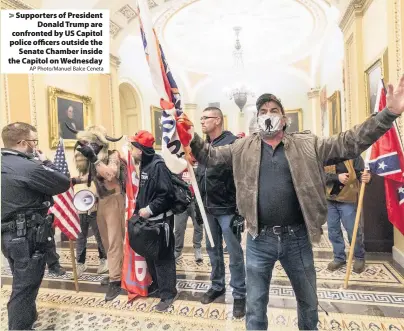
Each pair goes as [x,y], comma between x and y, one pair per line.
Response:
[182,196]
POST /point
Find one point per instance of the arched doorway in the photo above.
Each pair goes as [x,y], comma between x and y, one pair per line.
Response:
[130,109]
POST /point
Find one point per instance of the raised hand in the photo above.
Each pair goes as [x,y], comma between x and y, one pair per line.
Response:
[87,151]
[395,97]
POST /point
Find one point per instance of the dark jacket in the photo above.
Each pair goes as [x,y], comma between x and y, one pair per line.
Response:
[27,183]
[155,189]
[216,183]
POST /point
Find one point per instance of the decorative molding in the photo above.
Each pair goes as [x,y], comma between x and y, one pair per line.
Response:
[114,29]
[152,4]
[128,12]
[356,8]
[14,4]
[348,52]
[399,50]
[7,99]
[32,99]
[166,28]
[313,93]
[114,60]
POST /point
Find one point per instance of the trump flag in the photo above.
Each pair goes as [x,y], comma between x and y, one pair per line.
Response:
[177,129]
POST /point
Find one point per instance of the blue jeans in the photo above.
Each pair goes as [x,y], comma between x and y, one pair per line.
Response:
[343,212]
[220,226]
[293,249]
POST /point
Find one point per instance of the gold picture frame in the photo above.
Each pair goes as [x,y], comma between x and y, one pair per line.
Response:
[66,107]
[296,120]
[378,69]
[225,123]
[157,128]
[334,113]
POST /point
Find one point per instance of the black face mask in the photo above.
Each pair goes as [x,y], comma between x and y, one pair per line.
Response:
[95,147]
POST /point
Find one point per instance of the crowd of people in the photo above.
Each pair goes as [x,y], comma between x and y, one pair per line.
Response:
[285,186]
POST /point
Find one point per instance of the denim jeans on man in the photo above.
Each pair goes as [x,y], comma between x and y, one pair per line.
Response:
[220,227]
[345,213]
[293,249]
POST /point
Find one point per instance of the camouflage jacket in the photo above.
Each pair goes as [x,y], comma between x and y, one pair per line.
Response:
[307,155]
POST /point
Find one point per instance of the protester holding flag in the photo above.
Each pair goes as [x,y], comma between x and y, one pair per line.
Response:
[27,187]
[343,180]
[386,159]
[135,276]
[283,200]
[105,168]
[154,200]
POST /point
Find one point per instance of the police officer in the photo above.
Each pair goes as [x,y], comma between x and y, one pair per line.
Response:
[27,188]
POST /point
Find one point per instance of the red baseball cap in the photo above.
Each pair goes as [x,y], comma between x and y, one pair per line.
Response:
[144,138]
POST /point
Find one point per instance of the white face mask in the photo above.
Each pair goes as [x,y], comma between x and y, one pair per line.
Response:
[270,125]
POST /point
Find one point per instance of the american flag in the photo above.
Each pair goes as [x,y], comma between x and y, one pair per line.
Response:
[66,218]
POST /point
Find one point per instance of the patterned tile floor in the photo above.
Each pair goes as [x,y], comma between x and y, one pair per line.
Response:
[374,300]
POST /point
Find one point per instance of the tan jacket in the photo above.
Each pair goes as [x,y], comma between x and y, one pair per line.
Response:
[307,155]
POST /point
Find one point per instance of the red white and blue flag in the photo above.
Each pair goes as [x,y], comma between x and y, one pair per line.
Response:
[177,129]
[66,218]
[387,160]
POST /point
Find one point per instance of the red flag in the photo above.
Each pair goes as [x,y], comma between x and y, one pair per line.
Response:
[135,277]
[387,160]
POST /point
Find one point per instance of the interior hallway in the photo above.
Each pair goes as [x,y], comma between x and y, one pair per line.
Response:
[374,300]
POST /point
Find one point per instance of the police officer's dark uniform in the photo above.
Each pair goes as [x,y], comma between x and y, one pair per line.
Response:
[27,187]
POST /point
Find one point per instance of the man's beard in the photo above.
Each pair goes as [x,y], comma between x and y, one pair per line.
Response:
[82,164]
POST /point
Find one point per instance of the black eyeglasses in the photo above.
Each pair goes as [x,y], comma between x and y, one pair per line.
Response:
[34,140]
[204,118]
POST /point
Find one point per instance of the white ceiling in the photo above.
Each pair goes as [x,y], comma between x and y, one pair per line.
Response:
[199,33]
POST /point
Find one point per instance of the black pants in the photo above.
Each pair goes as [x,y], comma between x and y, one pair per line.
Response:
[81,244]
[52,257]
[28,270]
[163,270]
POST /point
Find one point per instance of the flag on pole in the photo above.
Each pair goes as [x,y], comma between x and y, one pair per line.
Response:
[66,218]
[387,160]
[135,277]
[177,129]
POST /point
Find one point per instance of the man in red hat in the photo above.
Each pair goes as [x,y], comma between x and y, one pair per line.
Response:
[154,202]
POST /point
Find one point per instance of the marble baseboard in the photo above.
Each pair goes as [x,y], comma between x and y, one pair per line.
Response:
[398,256]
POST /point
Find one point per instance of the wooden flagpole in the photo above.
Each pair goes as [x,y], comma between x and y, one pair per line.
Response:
[361,196]
[355,232]
[76,282]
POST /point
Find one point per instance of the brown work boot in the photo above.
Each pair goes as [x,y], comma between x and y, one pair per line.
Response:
[359,266]
[335,265]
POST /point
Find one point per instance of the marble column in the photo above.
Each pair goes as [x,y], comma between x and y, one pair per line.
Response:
[314,97]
